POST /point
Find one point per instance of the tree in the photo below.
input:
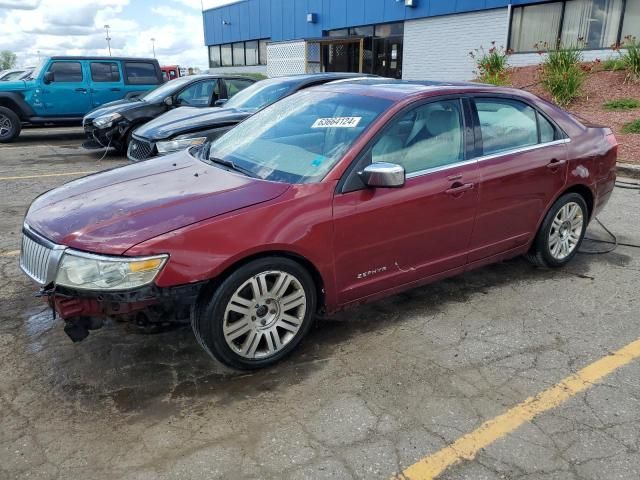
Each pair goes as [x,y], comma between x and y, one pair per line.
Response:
[7,59]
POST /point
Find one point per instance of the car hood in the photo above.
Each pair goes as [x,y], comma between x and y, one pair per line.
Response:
[119,106]
[111,211]
[12,85]
[189,119]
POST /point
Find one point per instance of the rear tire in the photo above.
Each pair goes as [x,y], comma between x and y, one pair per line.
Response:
[257,315]
[10,125]
[561,233]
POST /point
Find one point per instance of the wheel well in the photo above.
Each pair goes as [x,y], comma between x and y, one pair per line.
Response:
[11,105]
[586,193]
[304,262]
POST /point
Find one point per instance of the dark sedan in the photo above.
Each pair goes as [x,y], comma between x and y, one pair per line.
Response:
[335,196]
[111,125]
[185,127]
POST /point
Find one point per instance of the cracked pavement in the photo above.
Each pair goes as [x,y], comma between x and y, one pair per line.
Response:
[368,393]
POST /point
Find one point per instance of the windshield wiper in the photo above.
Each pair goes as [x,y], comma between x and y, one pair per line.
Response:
[229,164]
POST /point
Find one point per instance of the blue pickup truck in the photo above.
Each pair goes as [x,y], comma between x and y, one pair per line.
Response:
[61,90]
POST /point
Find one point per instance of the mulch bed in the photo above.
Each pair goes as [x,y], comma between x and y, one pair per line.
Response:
[600,87]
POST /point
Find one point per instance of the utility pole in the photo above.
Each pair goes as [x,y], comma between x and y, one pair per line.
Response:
[153,45]
[107,27]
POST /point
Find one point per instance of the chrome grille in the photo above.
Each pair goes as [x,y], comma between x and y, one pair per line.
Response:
[34,259]
[139,149]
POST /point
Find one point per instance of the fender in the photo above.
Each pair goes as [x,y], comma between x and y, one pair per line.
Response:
[17,103]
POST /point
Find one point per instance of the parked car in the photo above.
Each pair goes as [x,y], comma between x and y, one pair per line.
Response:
[15,74]
[185,127]
[62,89]
[112,125]
[332,197]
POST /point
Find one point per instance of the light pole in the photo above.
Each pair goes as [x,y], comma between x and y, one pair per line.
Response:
[107,27]
[153,45]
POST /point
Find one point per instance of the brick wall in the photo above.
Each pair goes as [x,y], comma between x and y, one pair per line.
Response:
[438,48]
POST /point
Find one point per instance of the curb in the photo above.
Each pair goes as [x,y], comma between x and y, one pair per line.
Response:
[628,170]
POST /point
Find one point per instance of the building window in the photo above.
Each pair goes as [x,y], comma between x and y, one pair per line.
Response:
[238,54]
[343,32]
[362,31]
[263,52]
[390,29]
[535,24]
[214,56]
[590,24]
[226,56]
[251,52]
[631,25]
[596,22]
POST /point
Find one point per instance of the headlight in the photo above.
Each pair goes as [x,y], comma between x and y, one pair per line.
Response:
[105,121]
[95,272]
[179,143]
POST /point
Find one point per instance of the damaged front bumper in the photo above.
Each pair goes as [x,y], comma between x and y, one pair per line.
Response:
[147,306]
[110,137]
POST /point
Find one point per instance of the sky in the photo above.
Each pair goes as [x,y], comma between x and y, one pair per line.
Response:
[76,27]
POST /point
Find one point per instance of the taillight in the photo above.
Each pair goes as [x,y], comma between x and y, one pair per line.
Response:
[611,138]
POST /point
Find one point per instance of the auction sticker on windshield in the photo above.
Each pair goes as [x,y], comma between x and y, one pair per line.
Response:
[337,122]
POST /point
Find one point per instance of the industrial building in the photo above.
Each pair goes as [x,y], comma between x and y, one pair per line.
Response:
[409,39]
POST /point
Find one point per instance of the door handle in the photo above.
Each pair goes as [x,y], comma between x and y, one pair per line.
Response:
[81,90]
[115,89]
[555,163]
[458,188]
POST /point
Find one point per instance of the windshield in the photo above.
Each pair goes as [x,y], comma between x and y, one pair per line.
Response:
[260,94]
[13,75]
[38,68]
[162,91]
[300,138]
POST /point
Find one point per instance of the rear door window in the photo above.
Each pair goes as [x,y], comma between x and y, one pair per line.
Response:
[68,72]
[235,85]
[141,73]
[105,72]
[506,124]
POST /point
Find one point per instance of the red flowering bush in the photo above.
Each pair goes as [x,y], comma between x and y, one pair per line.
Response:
[491,65]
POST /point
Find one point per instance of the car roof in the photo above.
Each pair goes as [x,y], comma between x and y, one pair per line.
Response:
[397,90]
[306,78]
[82,57]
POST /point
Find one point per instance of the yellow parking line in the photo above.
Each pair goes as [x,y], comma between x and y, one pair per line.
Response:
[11,253]
[468,446]
[47,175]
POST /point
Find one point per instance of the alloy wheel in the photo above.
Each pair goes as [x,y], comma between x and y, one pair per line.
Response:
[5,126]
[566,230]
[264,314]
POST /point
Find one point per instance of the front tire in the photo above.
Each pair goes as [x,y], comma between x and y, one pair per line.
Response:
[10,125]
[561,232]
[257,315]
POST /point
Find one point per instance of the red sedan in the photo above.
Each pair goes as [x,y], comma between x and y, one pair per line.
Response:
[332,197]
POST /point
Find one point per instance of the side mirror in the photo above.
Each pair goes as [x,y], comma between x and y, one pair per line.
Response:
[168,101]
[48,78]
[220,102]
[383,175]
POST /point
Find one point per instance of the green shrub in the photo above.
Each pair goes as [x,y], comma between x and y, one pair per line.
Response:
[631,58]
[622,104]
[613,64]
[631,127]
[563,74]
[491,65]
